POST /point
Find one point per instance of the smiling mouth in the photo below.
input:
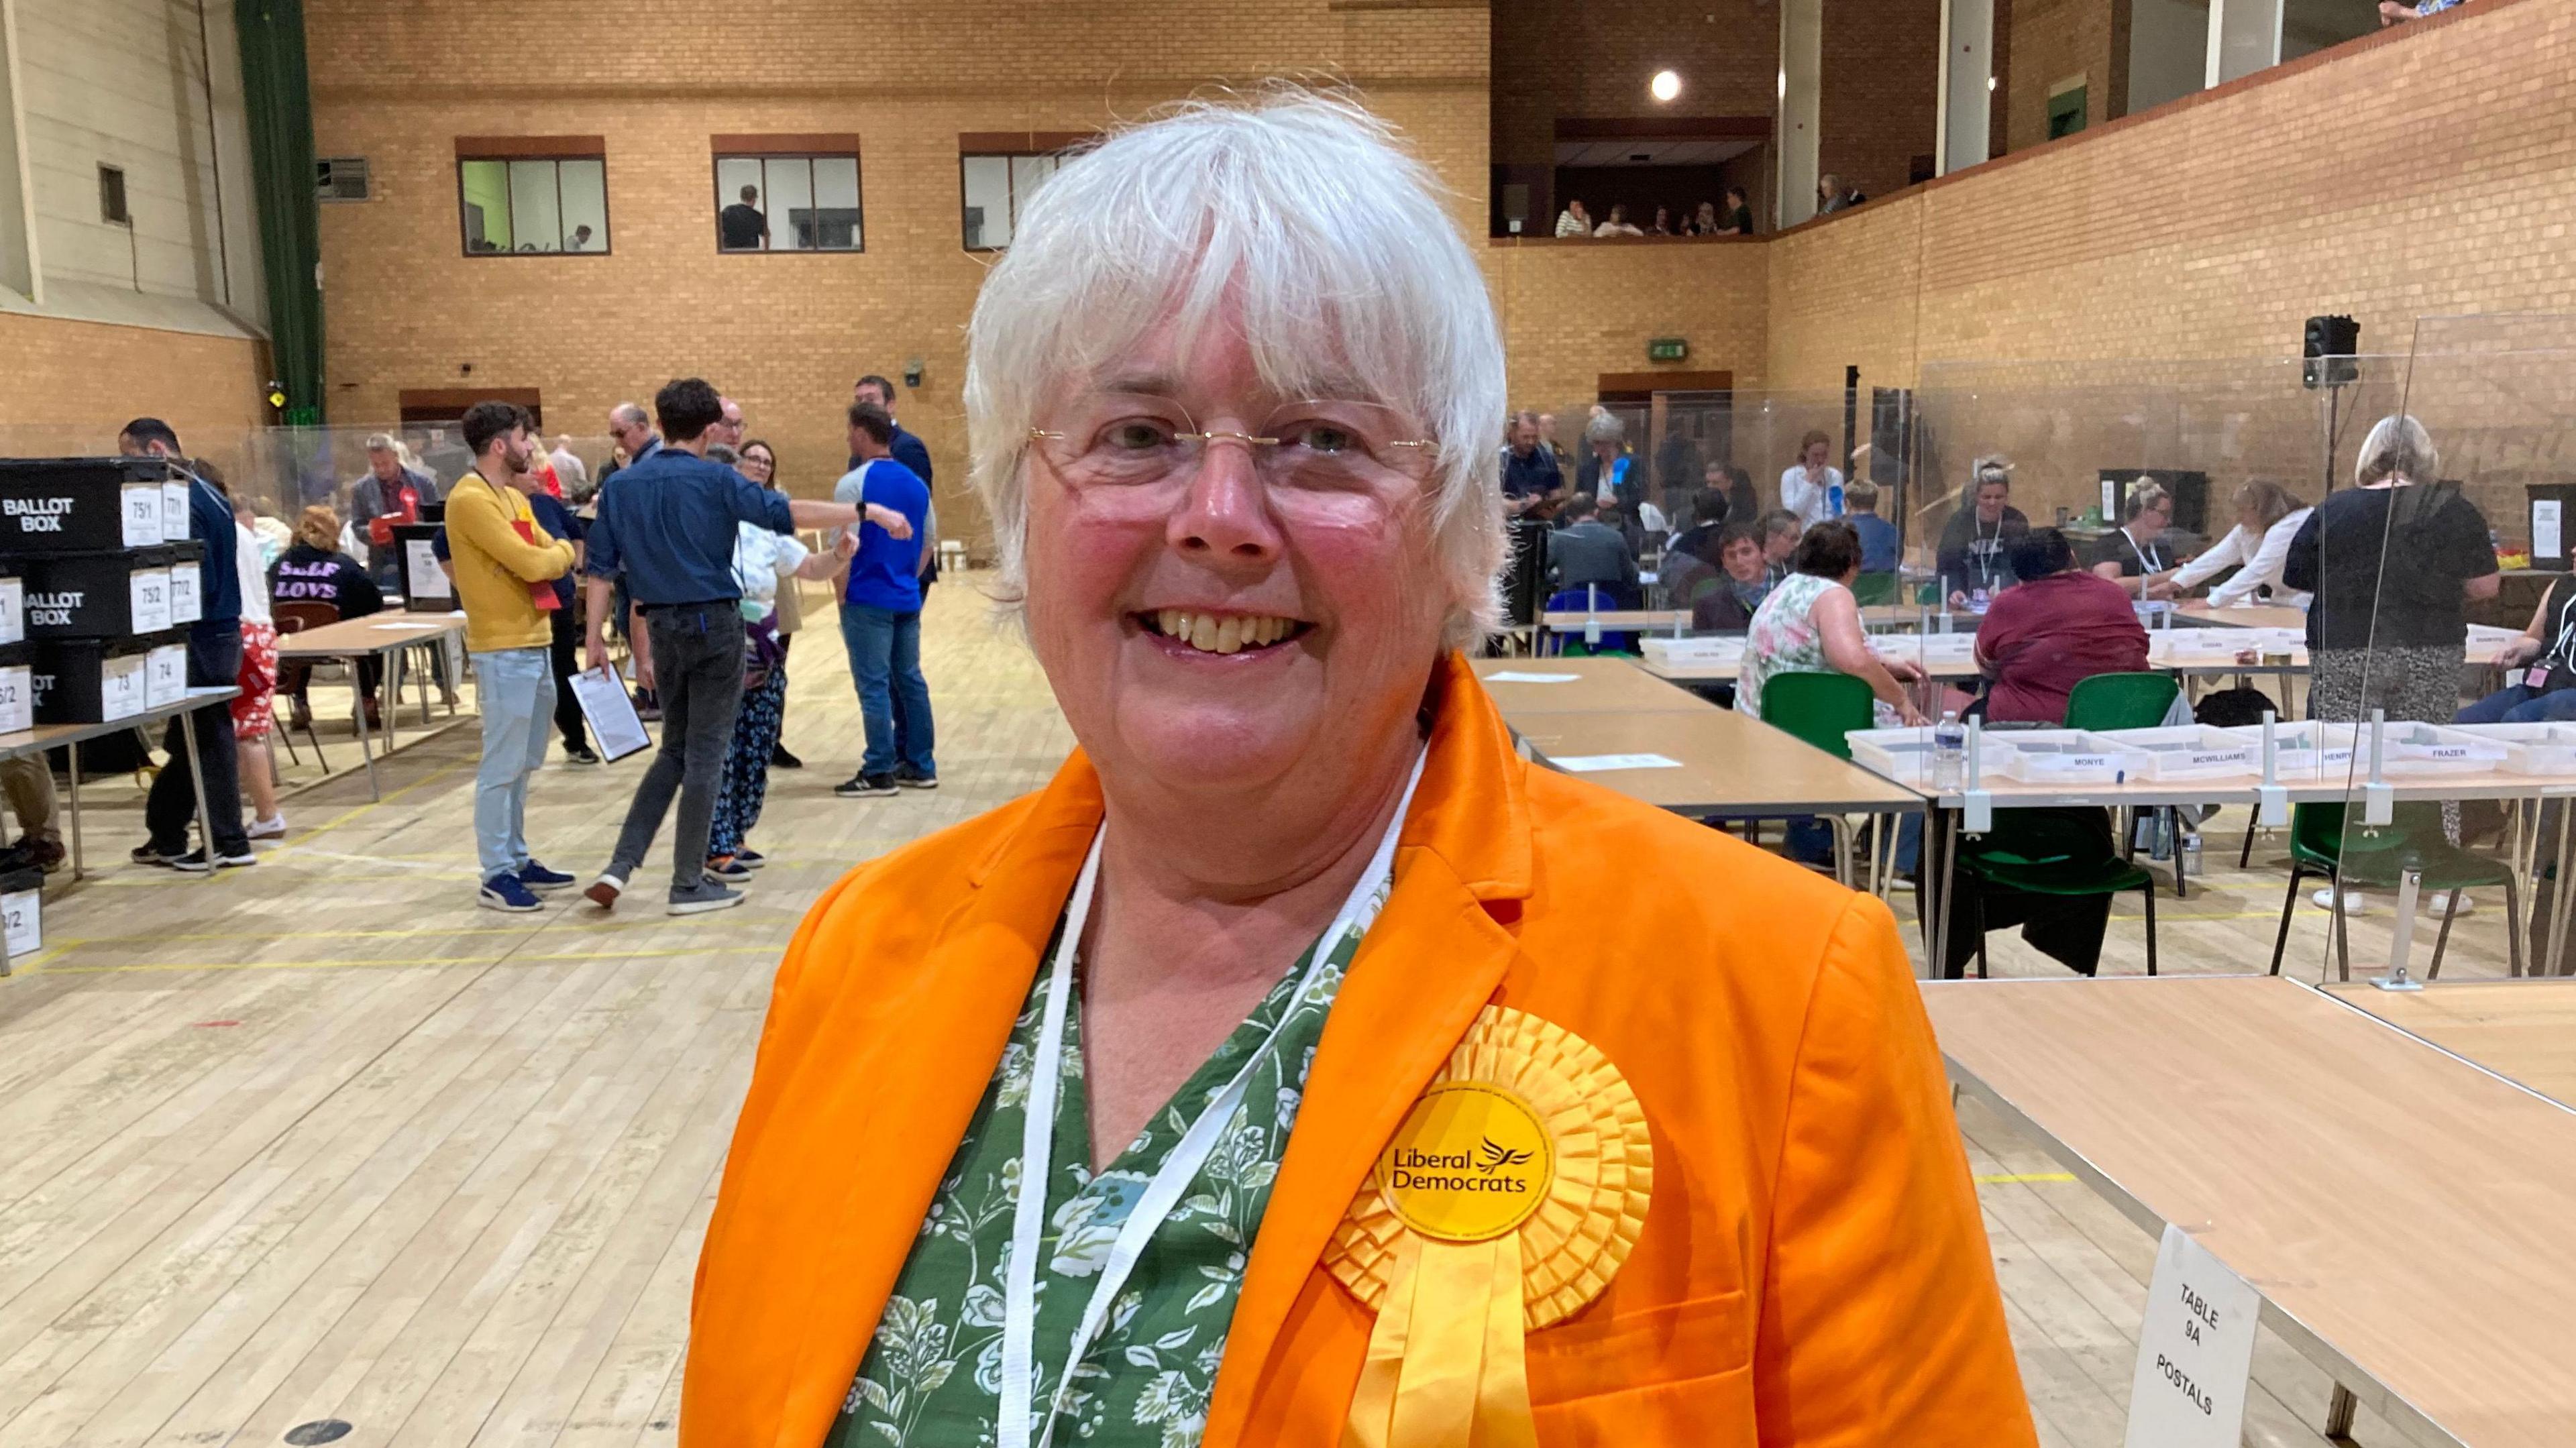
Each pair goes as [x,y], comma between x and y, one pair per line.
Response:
[1221,633]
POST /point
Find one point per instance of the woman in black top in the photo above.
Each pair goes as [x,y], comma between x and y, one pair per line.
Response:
[2393,564]
[1974,554]
[314,570]
[2135,552]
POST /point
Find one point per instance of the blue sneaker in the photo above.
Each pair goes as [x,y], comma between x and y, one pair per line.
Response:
[504,892]
[726,869]
[543,881]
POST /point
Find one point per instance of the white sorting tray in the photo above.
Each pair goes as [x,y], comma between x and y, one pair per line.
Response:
[2192,751]
[2528,748]
[1905,755]
[2069,757]
[2311,751]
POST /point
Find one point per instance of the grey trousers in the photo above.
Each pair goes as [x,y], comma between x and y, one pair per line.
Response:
[2419,683]
[697,670]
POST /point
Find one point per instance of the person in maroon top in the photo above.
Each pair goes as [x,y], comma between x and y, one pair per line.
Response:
[2057,626]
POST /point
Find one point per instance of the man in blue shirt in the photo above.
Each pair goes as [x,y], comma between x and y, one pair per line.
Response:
[881,613]
[214,658]
[669,525]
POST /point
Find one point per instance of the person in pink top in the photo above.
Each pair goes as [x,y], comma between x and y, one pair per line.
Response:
[2057,626]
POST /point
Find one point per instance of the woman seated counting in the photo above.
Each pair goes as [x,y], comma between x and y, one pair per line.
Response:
[2135,553]
[1970,556]
[1725,601]
[2539,667]
[312,570]
[1810,624]
[1161,1106]
[2268,516]
[2051,631]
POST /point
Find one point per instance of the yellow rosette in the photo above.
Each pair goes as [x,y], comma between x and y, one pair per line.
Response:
[1508,1199]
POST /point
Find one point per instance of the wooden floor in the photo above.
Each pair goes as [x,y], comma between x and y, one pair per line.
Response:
[320,1140]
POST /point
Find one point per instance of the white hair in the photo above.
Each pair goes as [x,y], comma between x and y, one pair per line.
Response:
[2398,447]
[1302,211]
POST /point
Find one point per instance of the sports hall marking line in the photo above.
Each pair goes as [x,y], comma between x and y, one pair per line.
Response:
[2010,1178]
[477,962]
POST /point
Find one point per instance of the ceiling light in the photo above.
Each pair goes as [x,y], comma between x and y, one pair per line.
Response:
[1665,85]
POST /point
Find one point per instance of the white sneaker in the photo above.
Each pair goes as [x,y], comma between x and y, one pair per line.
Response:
[2354,903]
[2435,901]
[268,829]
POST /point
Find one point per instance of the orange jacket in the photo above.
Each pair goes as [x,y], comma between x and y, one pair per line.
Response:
[1813,1269]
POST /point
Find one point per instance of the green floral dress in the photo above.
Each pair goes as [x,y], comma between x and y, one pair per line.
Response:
[933,1376]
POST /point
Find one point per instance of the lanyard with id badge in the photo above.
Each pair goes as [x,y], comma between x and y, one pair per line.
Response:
[2555,669]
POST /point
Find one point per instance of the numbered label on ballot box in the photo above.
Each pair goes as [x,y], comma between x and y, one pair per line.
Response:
[2195,1351]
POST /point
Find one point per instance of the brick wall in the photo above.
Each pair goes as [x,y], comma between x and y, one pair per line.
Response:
[1881,95]
[72,384]
[783,333]
[1572,311]
[2053,41]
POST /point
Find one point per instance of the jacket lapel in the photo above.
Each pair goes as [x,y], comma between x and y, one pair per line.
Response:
[910,1098]
[1430,964]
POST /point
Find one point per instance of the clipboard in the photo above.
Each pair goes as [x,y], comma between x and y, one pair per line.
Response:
[610,714]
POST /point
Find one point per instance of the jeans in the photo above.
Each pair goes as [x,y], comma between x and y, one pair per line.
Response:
[2517,704]
[885,662]
[697,669]
[214,658]
[559,656]
[518,693]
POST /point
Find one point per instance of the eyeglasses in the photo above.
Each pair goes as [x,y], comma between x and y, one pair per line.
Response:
[1132,440]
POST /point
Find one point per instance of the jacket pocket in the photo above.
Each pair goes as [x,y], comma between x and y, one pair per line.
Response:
[1625,1353]
[1711,1411]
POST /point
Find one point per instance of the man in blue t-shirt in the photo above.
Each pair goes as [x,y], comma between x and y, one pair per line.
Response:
[881,613]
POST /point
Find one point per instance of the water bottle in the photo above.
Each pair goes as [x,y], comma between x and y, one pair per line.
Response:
[1833,500]
[2191,855]
[1949,752]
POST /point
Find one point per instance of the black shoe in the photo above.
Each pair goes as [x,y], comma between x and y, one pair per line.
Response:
[779,758]
[911,778]
[860,785]
[579,754]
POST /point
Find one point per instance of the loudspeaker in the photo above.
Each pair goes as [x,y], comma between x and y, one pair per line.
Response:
[2329,345]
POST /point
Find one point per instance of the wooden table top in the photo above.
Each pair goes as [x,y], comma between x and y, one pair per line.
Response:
[2401,1211]
[1599,686]
[2524,1030]
[374,633]
[2250,615]
[1725,764]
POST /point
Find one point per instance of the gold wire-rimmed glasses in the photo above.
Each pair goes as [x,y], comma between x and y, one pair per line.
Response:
[1128,440]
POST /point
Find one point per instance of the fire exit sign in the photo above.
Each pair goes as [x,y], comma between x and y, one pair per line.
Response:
[1667,349]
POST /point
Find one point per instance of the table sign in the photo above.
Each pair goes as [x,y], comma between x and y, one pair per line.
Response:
[2195,1351]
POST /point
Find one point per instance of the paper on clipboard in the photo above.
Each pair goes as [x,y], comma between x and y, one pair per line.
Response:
[610,713]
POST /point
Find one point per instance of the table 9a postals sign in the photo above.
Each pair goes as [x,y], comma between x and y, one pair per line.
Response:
[2195,1351]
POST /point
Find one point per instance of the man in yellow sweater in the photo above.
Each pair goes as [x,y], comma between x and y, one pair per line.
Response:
[505,565]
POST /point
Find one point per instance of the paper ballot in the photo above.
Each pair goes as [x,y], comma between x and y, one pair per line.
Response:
[610,713]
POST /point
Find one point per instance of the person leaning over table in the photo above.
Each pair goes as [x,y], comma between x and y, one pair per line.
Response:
[2268,516]
[1242,483]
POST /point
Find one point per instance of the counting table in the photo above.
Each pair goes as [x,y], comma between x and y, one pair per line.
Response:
[2523,1030]
[2401,1210]
[1580,686]
[389,635]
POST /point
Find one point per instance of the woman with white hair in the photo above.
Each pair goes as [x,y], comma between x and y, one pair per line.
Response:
[1278,1073]
[2394,563]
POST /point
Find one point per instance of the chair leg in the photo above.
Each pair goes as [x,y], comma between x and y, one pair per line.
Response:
[2513,923]
[2289,904]
[2173,837]
[1981,955]
[1843,849]
[2442,937]
[2150,893]
[2245,856]
[2343,940]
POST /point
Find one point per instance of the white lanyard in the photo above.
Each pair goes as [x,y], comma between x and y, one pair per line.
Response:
[1037,1147]
[2151,559]
[1977,549]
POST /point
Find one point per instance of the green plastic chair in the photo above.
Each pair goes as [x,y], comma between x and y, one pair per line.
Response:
[1818,708]
[1874,588]
[2130,701]
[2378,858]
[2121,701]
[2044,854]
